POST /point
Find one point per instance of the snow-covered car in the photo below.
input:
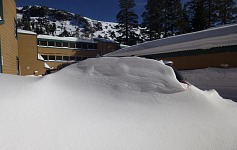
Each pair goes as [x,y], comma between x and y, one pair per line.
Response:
[178,75]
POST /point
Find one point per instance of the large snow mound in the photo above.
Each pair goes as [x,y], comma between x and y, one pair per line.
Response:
[130,74]
[113,103]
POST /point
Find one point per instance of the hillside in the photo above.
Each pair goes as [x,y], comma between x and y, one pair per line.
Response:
[50,21]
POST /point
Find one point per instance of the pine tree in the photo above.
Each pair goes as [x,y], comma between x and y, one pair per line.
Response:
[198,14]
[26,21]
[208,13]
[127,20]
[172,15]
[152,18]
[184,25]
[226,11]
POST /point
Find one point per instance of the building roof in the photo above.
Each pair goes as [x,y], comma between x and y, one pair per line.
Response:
[206,39]
[25,32]
[105,40]
[71,39]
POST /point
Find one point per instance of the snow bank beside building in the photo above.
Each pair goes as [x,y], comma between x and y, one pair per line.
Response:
[222,80]
[113,103]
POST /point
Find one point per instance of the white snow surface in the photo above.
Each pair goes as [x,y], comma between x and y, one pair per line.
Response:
[223,80]
[113,103]
[26,32]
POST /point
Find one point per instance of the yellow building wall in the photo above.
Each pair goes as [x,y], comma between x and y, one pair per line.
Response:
[105,48]
[64,52]
[204,61]
[28,55]
[9,47]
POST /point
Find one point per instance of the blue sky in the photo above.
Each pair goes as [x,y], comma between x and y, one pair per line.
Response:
[104,10]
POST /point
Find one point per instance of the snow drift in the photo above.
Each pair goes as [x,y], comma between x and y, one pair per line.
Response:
[113,103]
[223,80]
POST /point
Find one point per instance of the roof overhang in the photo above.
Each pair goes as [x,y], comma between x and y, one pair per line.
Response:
[206,39]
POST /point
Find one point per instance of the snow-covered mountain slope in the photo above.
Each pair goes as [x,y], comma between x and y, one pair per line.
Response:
[113,103]
[42,20]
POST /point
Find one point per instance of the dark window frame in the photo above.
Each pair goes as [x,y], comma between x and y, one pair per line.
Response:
[70,45]
[59,57]
[46,57]
[65,44]
[71,58]
[1,13]
[50,43]
[78,45]
[57,44]
[46,43]
[66,58]
[51,56]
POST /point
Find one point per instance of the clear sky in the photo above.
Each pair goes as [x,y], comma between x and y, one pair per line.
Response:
[103,10]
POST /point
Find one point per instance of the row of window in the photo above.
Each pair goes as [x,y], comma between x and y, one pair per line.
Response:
[63,58]
[78,45]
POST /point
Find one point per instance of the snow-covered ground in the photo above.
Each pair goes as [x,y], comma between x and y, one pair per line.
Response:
[113,103]
[224,81]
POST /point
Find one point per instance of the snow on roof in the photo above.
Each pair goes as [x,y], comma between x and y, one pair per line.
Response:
[25,32]
[72,39]
[40,57]
[105,40]
[46,66]
[213,37]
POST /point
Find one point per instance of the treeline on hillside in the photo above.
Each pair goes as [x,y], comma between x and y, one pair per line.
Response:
[42,20]
[163,18]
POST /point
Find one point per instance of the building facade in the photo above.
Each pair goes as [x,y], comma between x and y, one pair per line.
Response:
[25,53]
[9,60]
[29,61]
[214,47]
[37,53]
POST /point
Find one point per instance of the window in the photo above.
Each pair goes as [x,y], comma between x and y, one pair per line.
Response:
[51,57]
[72,58]
[84,46]
[91,46]
[78,45]
[65,44]
[66,58]
[78,58]
[43,43]
[15,27]
[45,57]
[72,45]
[95,46]
[50,43]
[58,44]
[59,58]
[1,12]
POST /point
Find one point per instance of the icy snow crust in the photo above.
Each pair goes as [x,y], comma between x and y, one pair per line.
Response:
[113,103]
